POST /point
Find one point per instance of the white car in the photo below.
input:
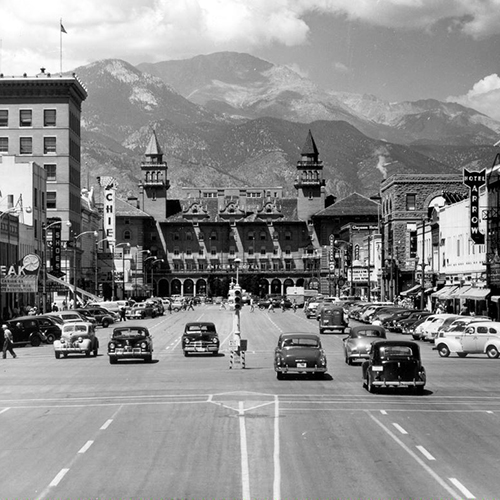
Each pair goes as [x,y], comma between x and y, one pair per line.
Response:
[76,338]
[431,330]
[482,337]
[458,326]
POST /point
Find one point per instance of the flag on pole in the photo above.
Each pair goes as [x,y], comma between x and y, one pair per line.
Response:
[62,28]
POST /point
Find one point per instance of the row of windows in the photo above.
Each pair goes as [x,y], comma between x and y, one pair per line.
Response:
[26,118]
[262,266]
[26,145]
[232,251]
[251,236]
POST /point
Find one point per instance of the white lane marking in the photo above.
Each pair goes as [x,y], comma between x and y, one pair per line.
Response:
[425,453]
[106,424]
[276,455]
[59,477]
[86,446]
[399,428]
[462,488]
[245,474]
[383,412]
[439,480]
[4,410]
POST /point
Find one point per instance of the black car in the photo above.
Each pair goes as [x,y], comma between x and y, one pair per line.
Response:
[393,364]
[34,330]
[133,342]
[101,315]
[200,337]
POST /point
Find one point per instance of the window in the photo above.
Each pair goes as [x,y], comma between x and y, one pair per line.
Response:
[251,235]
[4,117]
[35,197]
[263,251]
[288,235]
[127,235]
[4,144]
[25,117]
[189,236]
[49,145]
[176,237]
[411,200]
[26,145]
[50,168]
[213,235]
[262,236]
[51,199]
[49,117]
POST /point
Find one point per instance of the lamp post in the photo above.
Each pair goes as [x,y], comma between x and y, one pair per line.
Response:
[152,257]
[137,264]
[44,261]
[123,269]
[75,271]
[338,243]
[152,274]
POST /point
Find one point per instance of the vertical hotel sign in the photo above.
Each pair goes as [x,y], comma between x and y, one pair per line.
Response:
[474,180]
[109,218]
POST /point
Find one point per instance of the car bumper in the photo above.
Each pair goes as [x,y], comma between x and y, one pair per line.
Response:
[293,369]
[78,350]
[192,348]
[398,383]
[358,355]
[133,353]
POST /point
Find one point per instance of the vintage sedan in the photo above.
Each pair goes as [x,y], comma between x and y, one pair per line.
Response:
[130,342]
[482,337]
[394,363]
[141,310]
[299,353]
[200,337]
[76,338]
[359,340]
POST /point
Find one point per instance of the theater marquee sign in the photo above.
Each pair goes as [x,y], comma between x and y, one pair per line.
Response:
[21,277]
[474,180]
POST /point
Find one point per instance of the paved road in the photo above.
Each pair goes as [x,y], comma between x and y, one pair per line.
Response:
[191,428]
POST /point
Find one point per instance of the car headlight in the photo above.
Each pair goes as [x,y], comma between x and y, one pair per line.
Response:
[80,339]
[186,340]
[215,340]
[143,345]
[112,346]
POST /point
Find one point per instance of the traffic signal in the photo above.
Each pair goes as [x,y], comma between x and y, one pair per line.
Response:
[237,299]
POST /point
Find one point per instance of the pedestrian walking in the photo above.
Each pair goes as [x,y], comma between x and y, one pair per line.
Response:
[252,305]
[271,307]
[294,306]
[170,306]
[123,316]
[190,305]
[8,341]
[223,304]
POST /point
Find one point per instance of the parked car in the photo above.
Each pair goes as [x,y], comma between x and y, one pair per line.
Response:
[458,326]
[178,304]
[200,337]
[394,363]
[299,353]
[72,316]
[430,329]
[383,313]
[130,342]
[333,319]
[311,307]
[389,320]
[482,337]
[101,315]
[33,330]
[141,310]
[359,340]
[77,338]
[403,325]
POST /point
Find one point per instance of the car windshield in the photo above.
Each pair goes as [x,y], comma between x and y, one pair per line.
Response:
[395,351]
[130,332]
[367,333]
[75,328]
[200,328]
[300,342]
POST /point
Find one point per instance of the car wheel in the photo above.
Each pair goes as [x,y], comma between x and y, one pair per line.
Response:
[105,324]
[492,352]
[148,359]
[419,390]
[462,354]
[112,360]
[215,353]
[65,354]
[280,375]
[443,350]
[35,341]
[50,338]
[87,353]
[57,354]
[186,354]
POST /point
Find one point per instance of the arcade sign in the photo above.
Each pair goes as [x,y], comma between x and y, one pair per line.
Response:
[474,180]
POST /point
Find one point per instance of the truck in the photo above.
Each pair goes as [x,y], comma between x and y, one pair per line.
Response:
[299,295]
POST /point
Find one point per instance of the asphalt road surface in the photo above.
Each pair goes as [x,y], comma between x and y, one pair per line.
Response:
[191,428]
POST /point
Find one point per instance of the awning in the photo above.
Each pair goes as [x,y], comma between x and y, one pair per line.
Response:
[414,290]
[460,292]
[444,293]
[495,298]
[476,293]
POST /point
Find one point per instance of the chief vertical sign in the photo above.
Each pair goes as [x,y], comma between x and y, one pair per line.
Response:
[474,180]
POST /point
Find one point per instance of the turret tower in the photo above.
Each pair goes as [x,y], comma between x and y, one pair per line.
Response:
[309,182]
[154,185]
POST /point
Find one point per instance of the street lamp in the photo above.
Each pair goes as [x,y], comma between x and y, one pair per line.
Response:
[75,271]
[44,261]
[152,274]
[123,268]
[137,265]
[347,244]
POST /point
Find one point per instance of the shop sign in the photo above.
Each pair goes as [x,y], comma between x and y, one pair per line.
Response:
[474,180]
[21,277]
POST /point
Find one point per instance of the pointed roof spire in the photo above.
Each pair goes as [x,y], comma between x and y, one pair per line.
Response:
[154,150]
[309,148]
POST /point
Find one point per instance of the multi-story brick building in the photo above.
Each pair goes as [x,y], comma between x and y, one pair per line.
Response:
[196,243]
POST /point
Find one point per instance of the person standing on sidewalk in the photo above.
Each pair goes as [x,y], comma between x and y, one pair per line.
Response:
[7,342]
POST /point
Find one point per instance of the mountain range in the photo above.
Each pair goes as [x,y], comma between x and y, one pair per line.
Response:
[231,119]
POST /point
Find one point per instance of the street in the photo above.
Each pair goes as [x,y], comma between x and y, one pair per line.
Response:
[191,428]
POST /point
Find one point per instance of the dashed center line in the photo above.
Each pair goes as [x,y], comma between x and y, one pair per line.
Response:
[86,446]
[462,488]
[106,424]
[59,477]
[4,410]
[399,428]
[425,453]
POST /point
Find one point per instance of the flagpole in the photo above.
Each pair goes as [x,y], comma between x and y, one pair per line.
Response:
[60,45]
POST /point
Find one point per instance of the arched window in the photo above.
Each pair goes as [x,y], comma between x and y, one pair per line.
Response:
[127,235]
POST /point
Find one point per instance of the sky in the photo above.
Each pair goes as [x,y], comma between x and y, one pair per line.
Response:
[396,50]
